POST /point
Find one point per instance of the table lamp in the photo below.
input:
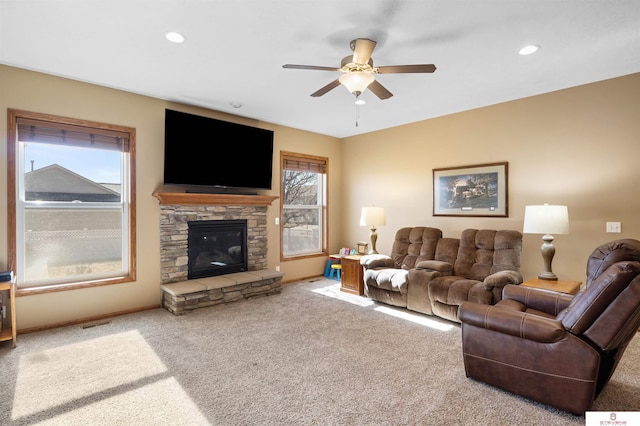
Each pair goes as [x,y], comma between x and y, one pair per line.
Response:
[373,216]
[546,219]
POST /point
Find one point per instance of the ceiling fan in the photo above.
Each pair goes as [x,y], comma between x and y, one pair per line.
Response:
[358,71]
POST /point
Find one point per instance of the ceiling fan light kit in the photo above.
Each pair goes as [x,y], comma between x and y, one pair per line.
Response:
[359,72]
[356,82]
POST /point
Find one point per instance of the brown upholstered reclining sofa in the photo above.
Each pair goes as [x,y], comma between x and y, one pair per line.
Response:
[431,274]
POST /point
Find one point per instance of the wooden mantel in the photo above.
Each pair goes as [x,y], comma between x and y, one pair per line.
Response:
[190,198]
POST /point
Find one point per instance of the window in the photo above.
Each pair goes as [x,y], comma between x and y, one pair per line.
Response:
[71,202]
[304,205]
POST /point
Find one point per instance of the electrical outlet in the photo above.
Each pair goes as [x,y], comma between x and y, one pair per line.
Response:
[277,221]
[614,227]
[278,268]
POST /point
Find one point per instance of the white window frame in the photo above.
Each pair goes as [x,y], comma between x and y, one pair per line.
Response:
[18,205]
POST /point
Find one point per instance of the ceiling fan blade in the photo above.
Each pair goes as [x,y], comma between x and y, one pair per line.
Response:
[379,90]
[326,88]
[310,67]
[362,50]
[397,69]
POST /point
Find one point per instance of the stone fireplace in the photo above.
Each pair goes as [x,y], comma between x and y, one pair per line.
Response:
[177,212]
[174,235]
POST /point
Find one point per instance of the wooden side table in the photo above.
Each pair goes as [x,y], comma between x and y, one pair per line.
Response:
[9,333]
[352,275]
[562,286]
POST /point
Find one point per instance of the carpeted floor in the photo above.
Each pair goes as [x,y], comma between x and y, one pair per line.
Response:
[311,355]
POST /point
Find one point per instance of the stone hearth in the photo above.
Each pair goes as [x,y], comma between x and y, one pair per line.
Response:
[184,296]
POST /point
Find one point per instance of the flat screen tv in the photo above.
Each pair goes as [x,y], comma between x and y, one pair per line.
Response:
[209,155]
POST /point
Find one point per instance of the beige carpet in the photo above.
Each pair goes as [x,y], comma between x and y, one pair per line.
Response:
[311,355]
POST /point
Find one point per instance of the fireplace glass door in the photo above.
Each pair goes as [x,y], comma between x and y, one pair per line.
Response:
[216,247]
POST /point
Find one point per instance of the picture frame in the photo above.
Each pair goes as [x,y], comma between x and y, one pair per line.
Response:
[478,190]
[362,247]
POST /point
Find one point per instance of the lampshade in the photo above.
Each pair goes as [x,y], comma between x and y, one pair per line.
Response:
[546,219]
[372,216]
[356,81]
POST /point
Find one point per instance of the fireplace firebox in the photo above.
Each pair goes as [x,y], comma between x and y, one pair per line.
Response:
[216,247]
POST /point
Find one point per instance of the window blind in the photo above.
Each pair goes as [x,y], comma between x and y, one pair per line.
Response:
[304,164]
[31,130]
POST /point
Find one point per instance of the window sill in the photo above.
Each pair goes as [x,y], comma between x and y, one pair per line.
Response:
[32,291]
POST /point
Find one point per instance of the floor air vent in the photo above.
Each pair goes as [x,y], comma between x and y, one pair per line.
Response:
[95,324]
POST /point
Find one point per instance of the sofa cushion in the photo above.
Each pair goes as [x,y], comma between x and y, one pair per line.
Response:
[486,251]
[400,247]
[475,256]
[387,279]
[412,245]
[508,247]
[450,290]
[447,250]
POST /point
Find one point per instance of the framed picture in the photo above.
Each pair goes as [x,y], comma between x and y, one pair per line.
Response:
[362,247]
[479,190]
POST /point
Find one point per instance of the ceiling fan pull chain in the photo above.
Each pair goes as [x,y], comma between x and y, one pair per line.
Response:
[357,114]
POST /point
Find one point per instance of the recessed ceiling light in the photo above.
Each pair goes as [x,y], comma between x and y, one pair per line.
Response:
[528,50]
[235,104]
[360,102]
[174,37]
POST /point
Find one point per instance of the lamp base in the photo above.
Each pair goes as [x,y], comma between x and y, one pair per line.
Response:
[549,276]
[374,237]
[548,250]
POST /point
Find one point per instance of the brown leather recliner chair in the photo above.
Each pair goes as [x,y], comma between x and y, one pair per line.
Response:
[554,348]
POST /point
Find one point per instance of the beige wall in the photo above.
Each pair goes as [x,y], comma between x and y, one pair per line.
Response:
[579,147]
[42,93]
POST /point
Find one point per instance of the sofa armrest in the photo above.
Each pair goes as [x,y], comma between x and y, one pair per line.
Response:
[445,268]
[421,276]
[502,278]
[503,319]
[551,302]
[371,261]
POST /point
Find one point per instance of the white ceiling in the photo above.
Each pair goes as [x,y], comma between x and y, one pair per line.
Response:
[235,50]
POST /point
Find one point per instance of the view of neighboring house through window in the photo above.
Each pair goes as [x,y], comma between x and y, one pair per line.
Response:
[73,202]
[304,205]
